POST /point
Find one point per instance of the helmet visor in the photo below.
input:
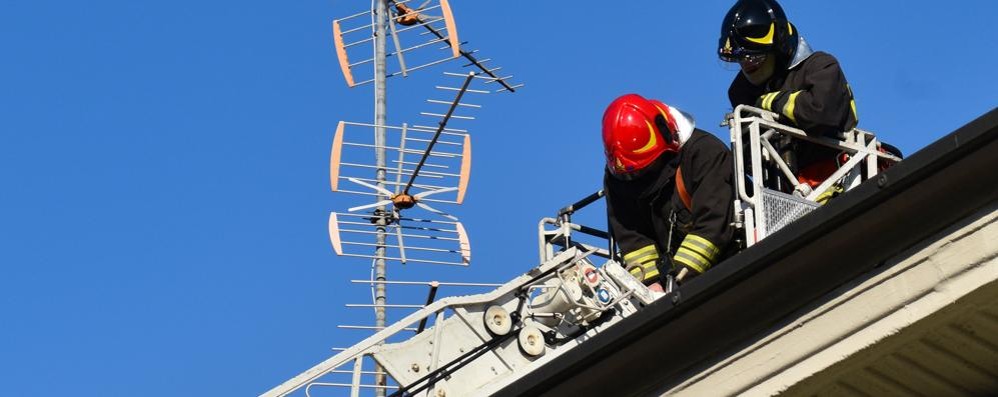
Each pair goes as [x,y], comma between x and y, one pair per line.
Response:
[652,169]
[751,61]
[742,56]
[627,176]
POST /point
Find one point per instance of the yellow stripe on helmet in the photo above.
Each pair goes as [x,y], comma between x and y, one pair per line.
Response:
[652,140]
[767,39]
[662,111]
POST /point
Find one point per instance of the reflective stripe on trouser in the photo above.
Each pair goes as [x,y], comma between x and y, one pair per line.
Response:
[697,253]
[641,263]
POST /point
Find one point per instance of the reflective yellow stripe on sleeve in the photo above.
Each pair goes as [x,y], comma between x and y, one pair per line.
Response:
[702,246]
[641,263]
[640,255]
[767,100]
[691,260]
[788,109]
[852,103]
[697,253]
[762,100]
[645,273]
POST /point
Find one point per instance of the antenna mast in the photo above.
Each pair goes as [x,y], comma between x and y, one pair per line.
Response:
[413,165]
[380,120]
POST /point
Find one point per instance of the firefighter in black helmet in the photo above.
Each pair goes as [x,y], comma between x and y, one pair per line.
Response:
[780,73]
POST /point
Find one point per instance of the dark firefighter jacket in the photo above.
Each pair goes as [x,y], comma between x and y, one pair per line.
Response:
[640,210]
[813,95]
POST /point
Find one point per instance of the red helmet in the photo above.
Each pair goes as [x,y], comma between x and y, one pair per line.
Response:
[635,132]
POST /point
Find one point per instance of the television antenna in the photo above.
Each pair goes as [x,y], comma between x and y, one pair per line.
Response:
[417,170]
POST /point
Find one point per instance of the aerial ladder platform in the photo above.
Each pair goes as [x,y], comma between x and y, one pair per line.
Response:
[578,323]
[578,316]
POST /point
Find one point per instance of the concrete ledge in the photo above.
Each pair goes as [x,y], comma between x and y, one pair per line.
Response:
[920,283]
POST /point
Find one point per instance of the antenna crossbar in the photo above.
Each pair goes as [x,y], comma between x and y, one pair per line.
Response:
[410,248]
[428,22]
[396,306]
[442,125]
[398,259]
[403,172]
[428,200]
[426,283]
[404,234]
[418,128]
[371,327]
[411,139]
[348,31]
[421,186]
[396,148]
[452,116]
[440,87]
[415,47]
[445,131]
[448,103]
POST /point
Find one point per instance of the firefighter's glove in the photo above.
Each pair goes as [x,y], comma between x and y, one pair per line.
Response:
[678,271]
[829,194]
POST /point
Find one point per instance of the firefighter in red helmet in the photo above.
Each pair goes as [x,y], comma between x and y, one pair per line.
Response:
[669,189]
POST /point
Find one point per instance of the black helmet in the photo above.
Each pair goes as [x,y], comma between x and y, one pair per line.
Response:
[754,27]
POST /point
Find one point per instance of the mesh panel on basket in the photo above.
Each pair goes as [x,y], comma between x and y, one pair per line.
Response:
[781,209]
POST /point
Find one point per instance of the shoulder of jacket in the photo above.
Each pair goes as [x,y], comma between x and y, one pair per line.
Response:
[701,145]
[740,82]
[700,140]
[820,59]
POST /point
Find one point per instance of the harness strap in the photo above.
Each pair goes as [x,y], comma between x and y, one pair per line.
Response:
[681,189]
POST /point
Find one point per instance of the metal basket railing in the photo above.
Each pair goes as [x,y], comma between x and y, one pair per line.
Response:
[761,209]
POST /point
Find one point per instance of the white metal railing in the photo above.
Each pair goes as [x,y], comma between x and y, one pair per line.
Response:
[761,210]
[493,338]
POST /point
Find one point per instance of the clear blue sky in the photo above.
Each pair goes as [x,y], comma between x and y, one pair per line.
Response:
[164,164]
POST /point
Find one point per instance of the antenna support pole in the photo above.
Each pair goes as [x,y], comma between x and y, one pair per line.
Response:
[380,120]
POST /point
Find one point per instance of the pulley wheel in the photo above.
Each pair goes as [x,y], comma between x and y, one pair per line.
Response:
[531,341]
[497,320]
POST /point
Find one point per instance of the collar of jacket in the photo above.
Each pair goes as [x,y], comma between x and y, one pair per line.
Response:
[653,188]
[802,53]
[685,123]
